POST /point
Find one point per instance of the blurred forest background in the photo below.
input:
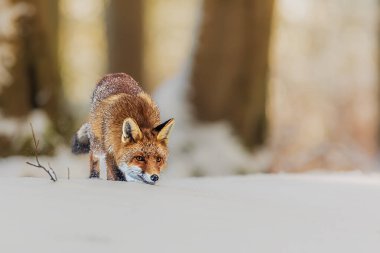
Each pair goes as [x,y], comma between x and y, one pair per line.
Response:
[269,86]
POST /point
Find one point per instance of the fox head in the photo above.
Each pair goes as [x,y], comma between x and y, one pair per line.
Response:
[143,153]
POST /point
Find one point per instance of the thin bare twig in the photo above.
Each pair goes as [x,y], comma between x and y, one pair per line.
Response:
[48,170]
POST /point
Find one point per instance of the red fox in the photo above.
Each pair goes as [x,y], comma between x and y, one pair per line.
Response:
[123,135]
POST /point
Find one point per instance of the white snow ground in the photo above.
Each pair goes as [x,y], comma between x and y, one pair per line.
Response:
[258,213]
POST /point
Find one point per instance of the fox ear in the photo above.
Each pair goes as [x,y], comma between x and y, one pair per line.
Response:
[164,130]
[131,131]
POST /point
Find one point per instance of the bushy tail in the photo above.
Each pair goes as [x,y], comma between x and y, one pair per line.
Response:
[81,140]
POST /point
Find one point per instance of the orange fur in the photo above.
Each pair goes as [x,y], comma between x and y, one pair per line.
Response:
[124,125]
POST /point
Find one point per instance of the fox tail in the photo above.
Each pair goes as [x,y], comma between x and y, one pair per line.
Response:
[81,140]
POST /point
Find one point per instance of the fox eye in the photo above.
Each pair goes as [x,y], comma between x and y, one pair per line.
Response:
[158,159]
[140,158]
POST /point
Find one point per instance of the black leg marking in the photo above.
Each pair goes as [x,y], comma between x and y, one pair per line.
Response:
[94,174]
[119,176]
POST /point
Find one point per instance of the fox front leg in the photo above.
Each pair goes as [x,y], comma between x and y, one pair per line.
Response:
[94,166]
[113,172]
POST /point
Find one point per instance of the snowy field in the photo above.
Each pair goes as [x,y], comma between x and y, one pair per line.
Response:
[258,213]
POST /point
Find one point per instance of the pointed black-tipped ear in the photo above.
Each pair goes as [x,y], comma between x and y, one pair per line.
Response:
[164,129]
[131,131]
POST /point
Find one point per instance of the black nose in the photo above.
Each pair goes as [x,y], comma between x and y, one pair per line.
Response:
[154,177]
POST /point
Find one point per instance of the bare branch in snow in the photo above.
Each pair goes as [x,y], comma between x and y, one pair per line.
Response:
[48,170]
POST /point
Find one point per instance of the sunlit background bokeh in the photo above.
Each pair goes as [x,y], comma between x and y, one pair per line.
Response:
[169,28]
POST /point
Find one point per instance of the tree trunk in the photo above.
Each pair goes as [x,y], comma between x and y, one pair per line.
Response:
[36,82]
[230,71]
[36,74]
[125,33]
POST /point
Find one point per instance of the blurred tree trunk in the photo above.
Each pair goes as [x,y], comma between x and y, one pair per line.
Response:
[36,82]
[125,37]
[230,69]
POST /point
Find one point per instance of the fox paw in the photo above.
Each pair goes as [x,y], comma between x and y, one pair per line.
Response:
[94,174]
